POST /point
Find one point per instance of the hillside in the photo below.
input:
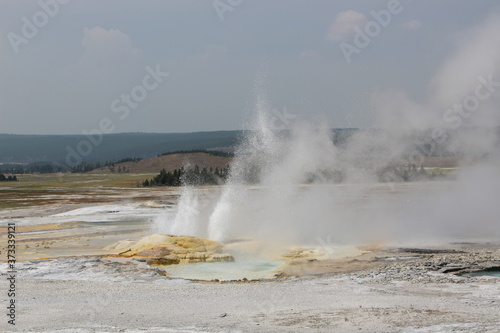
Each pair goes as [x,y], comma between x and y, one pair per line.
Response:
[168,162]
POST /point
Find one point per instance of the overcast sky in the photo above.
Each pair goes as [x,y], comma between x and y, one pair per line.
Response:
[65,68]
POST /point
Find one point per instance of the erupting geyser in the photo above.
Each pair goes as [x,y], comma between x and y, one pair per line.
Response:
[265,197]
[276,164]
[296,187]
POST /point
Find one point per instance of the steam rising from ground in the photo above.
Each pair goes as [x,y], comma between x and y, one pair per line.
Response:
[271,196]
[278,206]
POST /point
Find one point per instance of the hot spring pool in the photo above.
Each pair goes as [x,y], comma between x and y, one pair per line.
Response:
[486,272]
[224,271]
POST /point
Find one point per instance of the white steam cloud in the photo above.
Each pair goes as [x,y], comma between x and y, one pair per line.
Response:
[280,187]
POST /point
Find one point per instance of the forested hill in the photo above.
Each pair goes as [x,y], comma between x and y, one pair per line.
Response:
[72,150]
[110,147]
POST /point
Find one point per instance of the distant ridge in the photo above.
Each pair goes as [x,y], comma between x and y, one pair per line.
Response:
[21,148]
[15,148]
[109,148]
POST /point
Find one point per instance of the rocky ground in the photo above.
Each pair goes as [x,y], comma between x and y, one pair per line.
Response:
[435,265]
[66,282]
[392,290]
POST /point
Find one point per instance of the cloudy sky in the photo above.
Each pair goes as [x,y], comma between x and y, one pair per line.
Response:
[67,65]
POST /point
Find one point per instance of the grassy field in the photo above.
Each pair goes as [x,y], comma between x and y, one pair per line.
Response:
[77,180]
[68,188]
[75,188]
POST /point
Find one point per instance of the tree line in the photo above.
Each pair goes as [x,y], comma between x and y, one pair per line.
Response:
[36,167]
[189,176]
[217,153]
[209,176]
[3,178]
[403,173]
[87,166]
[55,167]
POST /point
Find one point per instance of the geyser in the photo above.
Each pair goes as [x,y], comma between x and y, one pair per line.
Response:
[277,164]
[283,190]
[269,195]
[283,184]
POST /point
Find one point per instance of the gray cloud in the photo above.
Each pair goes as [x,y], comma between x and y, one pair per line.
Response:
[345,22]
[65,77]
